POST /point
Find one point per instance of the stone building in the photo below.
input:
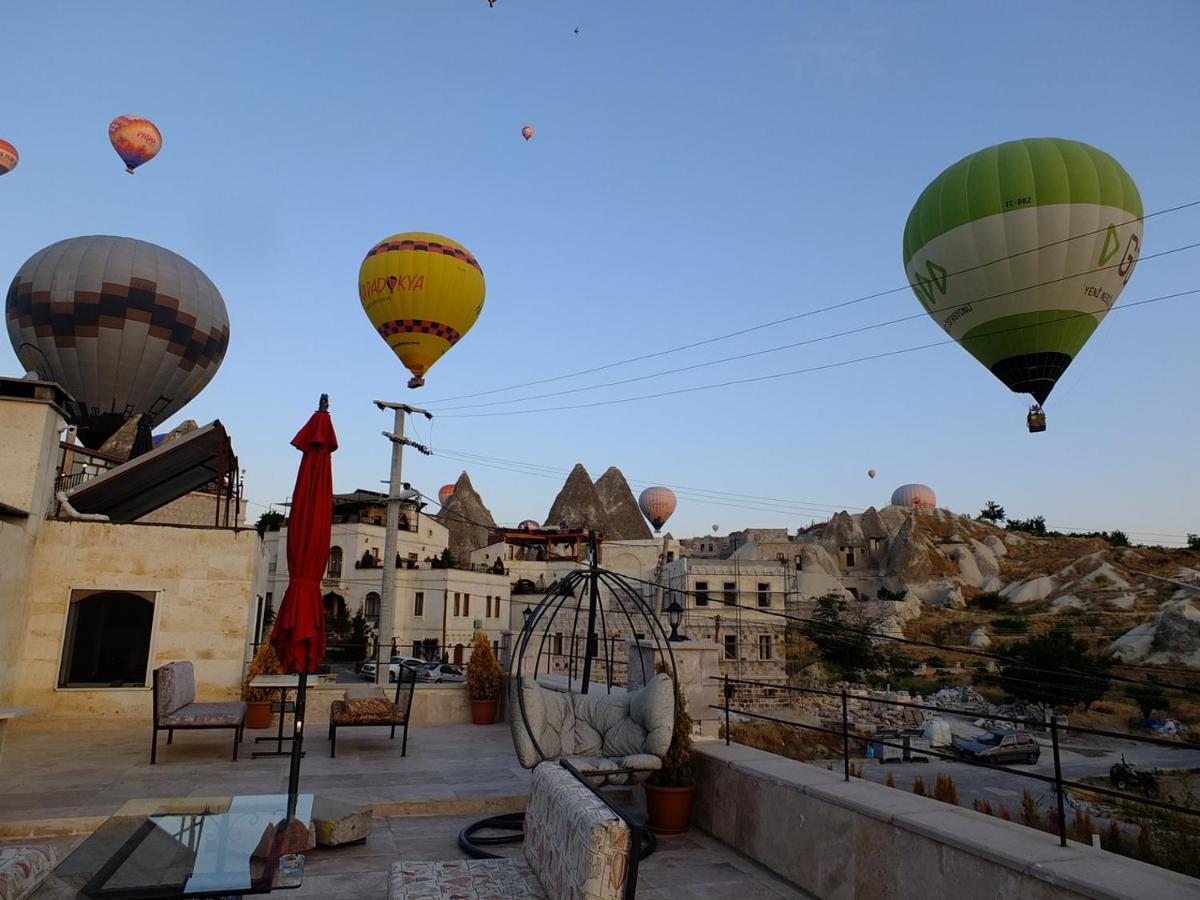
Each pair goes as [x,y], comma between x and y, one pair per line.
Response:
[93,597]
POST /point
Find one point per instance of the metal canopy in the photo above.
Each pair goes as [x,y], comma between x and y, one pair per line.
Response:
[152,480]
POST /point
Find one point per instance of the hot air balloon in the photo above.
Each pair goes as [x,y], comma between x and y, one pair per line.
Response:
[9,157]
[136,140]
[918,496]
[530,525]
[527,132]
[1018,252]
[422,292]
[716,528]
[124,326]
[445,492]
[657,504]
[870,473]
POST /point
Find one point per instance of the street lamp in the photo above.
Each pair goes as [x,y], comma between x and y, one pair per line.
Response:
[675,617]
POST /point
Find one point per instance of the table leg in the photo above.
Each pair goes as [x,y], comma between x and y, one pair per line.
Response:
[279,737]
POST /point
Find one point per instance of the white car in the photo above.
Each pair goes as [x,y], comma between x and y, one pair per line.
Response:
[410,662]
[439,673]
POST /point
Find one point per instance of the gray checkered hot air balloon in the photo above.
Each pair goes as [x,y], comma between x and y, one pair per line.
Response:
[126,327]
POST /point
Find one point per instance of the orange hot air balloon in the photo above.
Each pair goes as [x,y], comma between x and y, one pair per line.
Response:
[527,132]
[657,503]
[9,157]
[445,492]
[136,140]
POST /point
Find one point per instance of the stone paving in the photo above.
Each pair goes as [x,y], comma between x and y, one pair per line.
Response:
[48,777]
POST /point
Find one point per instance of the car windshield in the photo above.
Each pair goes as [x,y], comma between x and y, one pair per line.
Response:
[990,739]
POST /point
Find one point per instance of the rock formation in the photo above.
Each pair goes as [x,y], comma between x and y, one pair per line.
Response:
[578,504]
[466,518]
[624,521]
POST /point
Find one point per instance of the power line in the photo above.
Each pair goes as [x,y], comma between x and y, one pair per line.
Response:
[807,370]
[806,314]
[816,340]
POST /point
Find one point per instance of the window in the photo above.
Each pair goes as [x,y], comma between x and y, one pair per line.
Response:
[849,557]
[272,564]
[670,556]
[799,562]
[371,607]
[108,639]
[558,644]
[419,604]
[875,542]
[731,646]
[466,606]
[334,569]
[702,593]
[730,592]
[764,646]
[457,603]
[764,594]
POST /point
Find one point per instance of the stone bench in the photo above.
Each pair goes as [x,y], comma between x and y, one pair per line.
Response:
[576,845]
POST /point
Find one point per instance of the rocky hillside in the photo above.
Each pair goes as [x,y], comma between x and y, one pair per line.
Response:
[967,582]
[466,518]
[623,519]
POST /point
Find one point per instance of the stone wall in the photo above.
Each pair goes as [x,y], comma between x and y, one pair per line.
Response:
[840,840]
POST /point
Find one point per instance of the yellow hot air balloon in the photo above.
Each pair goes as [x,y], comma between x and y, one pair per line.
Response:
[422,292]
[136,140]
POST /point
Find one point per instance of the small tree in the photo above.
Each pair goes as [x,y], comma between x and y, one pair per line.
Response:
[945,790]
[841,639]
[993,512]
[1193,541]
[1029,811]
[1054,669]
[677,770]
[483,670]
[448,560]
[1035,525]
[265,662]
[1148,697]
[983,805]
[1116,538]
[271,520]
[888,595]
[359,639]
[919,787]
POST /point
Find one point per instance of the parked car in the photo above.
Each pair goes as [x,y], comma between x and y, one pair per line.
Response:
[1000,746]
[439,672]
[368,668]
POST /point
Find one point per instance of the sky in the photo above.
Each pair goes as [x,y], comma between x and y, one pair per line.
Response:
[697,169]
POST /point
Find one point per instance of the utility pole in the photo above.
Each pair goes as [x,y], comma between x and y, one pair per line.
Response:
[397,492]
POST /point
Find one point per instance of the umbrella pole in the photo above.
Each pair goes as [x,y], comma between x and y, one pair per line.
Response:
[297,745]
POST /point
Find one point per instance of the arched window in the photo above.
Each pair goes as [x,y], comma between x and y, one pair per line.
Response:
[335,563]
[108,639]
[371,607]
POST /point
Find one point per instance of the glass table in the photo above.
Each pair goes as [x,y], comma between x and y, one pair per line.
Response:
[189,847]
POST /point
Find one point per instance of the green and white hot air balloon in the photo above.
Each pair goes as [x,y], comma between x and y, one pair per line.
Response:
[1020,250]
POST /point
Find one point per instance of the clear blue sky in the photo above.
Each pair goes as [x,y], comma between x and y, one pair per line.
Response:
[698,167]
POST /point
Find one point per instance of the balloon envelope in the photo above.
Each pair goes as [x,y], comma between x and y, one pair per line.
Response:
[422,293]
[657,503]
[445,492]
[527,132]
[125,326]
[1019,251]
[529,524]
[918,496]
[136,140]
[9,157]
[870,473]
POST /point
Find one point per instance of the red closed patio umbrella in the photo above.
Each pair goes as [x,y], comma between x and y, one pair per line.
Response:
[299,633]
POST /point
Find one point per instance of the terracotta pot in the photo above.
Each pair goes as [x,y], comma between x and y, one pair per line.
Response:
[669,809]
[483,712]
[258,714]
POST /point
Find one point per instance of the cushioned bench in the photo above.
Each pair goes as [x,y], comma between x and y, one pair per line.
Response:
[577,845]
[23,868]
[175,707]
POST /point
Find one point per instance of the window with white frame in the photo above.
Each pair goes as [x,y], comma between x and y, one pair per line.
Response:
[764,646]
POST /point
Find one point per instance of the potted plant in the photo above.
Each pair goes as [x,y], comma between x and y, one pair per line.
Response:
[258,700]
[669,791]
[483,680]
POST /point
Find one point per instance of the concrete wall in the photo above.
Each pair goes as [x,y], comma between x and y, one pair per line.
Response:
[201,579]
[840,840]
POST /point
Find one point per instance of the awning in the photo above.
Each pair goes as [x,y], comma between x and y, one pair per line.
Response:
[152,480]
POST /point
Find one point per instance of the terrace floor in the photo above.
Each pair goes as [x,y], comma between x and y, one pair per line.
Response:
[57,784]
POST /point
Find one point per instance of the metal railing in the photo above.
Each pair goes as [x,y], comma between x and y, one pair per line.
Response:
[1055,727]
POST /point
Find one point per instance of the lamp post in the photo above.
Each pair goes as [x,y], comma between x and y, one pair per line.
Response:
[675,617]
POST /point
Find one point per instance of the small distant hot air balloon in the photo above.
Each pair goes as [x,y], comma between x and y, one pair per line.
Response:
[527,132]
[657,503]
[9,157]
[136,140]
[530,525]
[870,473]
[445,492]
[716,528]
[918,496]
[422,292]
